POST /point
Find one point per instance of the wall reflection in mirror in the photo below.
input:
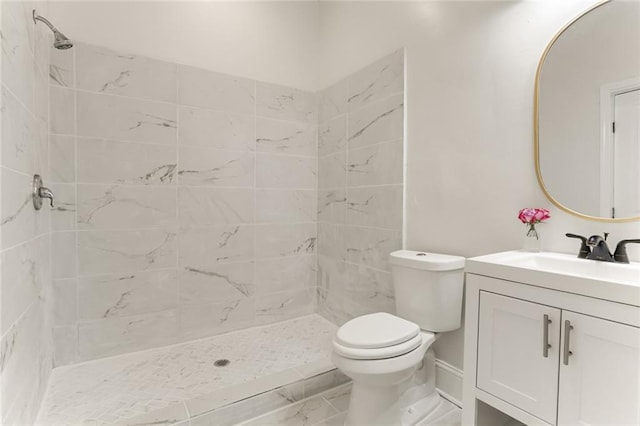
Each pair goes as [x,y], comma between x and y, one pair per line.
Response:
[588,114]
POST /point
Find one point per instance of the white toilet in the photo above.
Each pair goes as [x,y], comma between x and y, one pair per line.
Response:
[388,357]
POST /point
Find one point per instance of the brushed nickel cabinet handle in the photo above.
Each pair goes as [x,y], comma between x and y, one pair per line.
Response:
[566,353]
[545,336]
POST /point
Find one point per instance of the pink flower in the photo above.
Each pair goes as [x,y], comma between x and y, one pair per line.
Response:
[533,216]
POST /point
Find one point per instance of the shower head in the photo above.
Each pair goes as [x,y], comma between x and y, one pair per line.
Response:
[61,41]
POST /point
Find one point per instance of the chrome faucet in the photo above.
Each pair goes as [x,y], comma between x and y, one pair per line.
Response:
[595,248]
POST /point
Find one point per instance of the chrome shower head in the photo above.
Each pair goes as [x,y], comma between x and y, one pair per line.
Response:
[61,41]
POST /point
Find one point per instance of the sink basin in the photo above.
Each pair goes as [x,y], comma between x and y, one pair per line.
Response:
[617,282]
[571,265]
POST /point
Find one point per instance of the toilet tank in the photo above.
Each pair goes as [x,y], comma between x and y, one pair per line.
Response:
[428,288]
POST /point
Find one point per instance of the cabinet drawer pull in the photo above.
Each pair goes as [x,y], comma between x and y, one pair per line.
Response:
[545,336]
[567,337]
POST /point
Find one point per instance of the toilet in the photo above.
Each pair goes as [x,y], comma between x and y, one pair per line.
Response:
[389,357]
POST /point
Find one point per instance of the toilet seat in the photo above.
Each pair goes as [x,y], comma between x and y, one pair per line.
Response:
[378,353]
[377,336]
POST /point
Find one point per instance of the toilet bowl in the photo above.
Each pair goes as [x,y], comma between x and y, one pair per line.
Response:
[389,358]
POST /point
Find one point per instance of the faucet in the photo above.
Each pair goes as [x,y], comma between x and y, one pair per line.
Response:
[595,248]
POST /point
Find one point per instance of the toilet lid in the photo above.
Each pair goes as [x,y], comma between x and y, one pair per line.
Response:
[375,331]
[379,353]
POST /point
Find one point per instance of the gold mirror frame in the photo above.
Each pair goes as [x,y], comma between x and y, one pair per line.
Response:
[536,129]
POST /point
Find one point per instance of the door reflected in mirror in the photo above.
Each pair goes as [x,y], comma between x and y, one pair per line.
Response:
[588,114]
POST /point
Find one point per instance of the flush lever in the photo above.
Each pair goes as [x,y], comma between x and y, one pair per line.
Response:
[40,192]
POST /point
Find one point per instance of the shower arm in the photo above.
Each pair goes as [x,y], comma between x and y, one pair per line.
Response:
[37,17]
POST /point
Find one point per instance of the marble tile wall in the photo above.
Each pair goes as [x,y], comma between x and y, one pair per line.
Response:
[360,189]
[187,202]
[25,277]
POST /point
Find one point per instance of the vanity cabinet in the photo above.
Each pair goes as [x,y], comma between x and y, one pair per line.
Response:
[544,356]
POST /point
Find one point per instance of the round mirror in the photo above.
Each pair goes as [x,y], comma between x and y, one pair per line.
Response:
[587,114]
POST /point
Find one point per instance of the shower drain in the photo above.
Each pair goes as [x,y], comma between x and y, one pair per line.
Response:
[221,363]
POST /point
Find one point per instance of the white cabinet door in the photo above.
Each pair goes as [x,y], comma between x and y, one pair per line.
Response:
[600,383]
[512,362]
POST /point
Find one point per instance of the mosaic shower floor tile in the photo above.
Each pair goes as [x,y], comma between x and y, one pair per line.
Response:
[112,390]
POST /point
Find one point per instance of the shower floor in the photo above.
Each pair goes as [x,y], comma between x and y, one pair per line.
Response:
[172,384]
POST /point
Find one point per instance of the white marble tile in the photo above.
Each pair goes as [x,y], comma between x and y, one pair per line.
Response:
[125,119]
[287,273]
[324,381]
[234,403]
[288,304]
[19,133]
[216,282]
[208,89]
[332,101]
[200,247]
[43,41]
[379,206]
[378,164]
[284,171]
[332,205]
[17,61]
[330,241]
[25,272]
[285,103]
[134,386]
[251,407]
[212,167]
[337,420]
[339,397]
[127,294]
[370,288]
[65,345]
[63,214]
[41,96]
[19,219]
[285,206]
[63,254]
[332,136]
[61,71]
[203,207]
[205,320]
[332,171]
[379,121]
[65,302]
[285,240]
[170,415]
[285,137]
[106,161]
[126,207]
[304,413]
[105,252]
[105,71]
[216,129]
[21,356]
[62,160]
[369,246]
[116,335]
[378,80]
[62,110]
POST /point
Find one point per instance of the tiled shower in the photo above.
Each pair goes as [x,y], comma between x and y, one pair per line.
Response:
[188,204]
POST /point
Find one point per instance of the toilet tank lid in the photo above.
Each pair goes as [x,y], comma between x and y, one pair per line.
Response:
[426,261]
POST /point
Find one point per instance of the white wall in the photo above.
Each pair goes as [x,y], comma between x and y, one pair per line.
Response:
[274,42]
[470,78]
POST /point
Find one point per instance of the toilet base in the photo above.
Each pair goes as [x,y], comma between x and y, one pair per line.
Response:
[407,403]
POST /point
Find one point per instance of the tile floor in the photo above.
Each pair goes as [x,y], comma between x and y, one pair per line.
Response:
[175,383]
[329,409]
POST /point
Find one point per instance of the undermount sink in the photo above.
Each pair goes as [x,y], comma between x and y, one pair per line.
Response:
[610,281]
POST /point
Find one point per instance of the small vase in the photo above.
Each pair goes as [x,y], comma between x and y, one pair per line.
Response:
[531,239]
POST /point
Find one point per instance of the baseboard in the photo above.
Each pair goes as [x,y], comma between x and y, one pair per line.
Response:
[449,382]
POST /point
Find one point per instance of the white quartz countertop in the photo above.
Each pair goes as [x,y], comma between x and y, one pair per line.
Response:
[603,280]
